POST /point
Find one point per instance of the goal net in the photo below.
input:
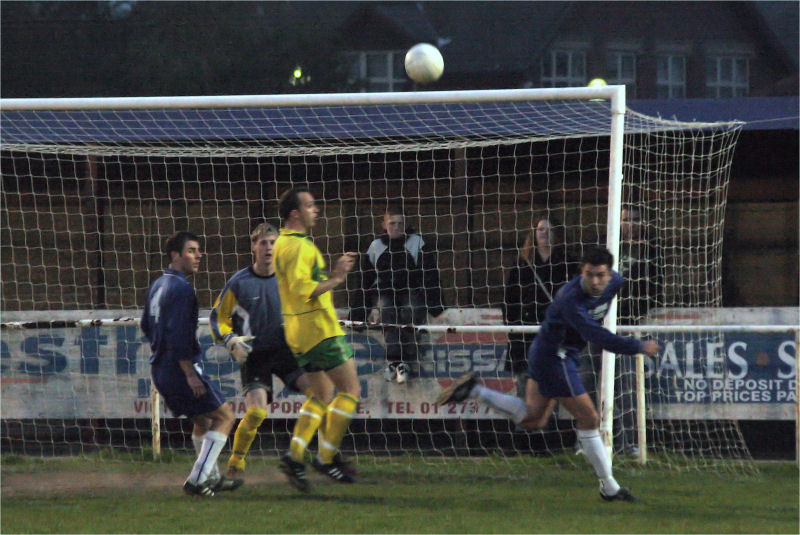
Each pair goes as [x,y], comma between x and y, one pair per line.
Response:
[92,188]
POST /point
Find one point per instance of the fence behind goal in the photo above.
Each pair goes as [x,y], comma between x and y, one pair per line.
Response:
[92,189]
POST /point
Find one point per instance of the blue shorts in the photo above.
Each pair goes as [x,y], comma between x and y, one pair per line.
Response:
[557,377]
[179,398]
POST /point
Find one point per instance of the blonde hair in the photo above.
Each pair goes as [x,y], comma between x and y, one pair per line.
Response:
[262,230]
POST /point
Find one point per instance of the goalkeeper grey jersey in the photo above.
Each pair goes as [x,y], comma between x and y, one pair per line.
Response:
[249,304]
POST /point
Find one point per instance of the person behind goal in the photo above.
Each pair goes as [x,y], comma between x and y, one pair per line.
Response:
[400,280]
[572,320]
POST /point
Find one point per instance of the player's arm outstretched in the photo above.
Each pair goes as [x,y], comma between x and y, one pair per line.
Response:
[592,331]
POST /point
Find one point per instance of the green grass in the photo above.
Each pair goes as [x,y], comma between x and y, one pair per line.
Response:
[550,499]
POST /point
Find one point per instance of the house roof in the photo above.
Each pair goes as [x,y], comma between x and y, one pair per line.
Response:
[410,18]
[496,36]
[782,21]
[481,37]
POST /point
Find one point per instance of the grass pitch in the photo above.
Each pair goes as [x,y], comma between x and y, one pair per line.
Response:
[90,495]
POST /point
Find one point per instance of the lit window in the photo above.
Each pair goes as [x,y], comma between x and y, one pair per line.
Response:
[621,67]
[727,76]
[564,68]
[377,70]
[671,76]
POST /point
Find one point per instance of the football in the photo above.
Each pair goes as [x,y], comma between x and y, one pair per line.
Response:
[424,63]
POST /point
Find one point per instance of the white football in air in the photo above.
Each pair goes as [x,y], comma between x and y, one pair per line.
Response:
[424,63]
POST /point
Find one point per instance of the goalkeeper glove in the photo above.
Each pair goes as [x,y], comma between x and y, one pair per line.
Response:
[239,347]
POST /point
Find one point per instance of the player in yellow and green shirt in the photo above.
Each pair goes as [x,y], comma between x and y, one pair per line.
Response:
[316,339]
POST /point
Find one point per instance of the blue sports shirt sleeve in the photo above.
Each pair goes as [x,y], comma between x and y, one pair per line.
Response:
[181,325]
[145,323]
[592,331]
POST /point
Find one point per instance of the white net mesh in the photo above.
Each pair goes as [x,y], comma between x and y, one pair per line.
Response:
[89,198]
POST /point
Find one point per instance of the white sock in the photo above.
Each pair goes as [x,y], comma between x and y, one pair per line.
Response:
[198,447]
[596,453]
[197,440]
[213,442]
[511,406]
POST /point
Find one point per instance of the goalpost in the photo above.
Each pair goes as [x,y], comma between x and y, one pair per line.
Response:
[93,187]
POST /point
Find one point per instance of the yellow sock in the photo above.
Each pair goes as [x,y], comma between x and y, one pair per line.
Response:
[321,432]
[310,418]
[337,420]
[244,436]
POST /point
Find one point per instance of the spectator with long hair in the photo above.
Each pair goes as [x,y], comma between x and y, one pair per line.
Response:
[542,267]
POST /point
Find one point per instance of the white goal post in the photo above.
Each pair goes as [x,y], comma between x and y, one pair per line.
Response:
[93,187]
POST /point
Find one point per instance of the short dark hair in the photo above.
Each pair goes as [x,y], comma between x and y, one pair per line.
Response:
[177,242]
[288,201]
[597,256]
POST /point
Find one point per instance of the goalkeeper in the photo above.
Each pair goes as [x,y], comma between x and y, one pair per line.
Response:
[571,320]
[247,318]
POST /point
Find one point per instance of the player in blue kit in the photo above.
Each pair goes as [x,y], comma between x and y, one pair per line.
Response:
[572,320]
[170,323]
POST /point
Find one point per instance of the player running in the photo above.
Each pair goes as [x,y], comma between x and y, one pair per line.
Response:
[572,320]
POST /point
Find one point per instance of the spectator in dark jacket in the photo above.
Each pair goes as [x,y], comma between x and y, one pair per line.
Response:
[641,270]
[639,266]
[400,285]
[542,268]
